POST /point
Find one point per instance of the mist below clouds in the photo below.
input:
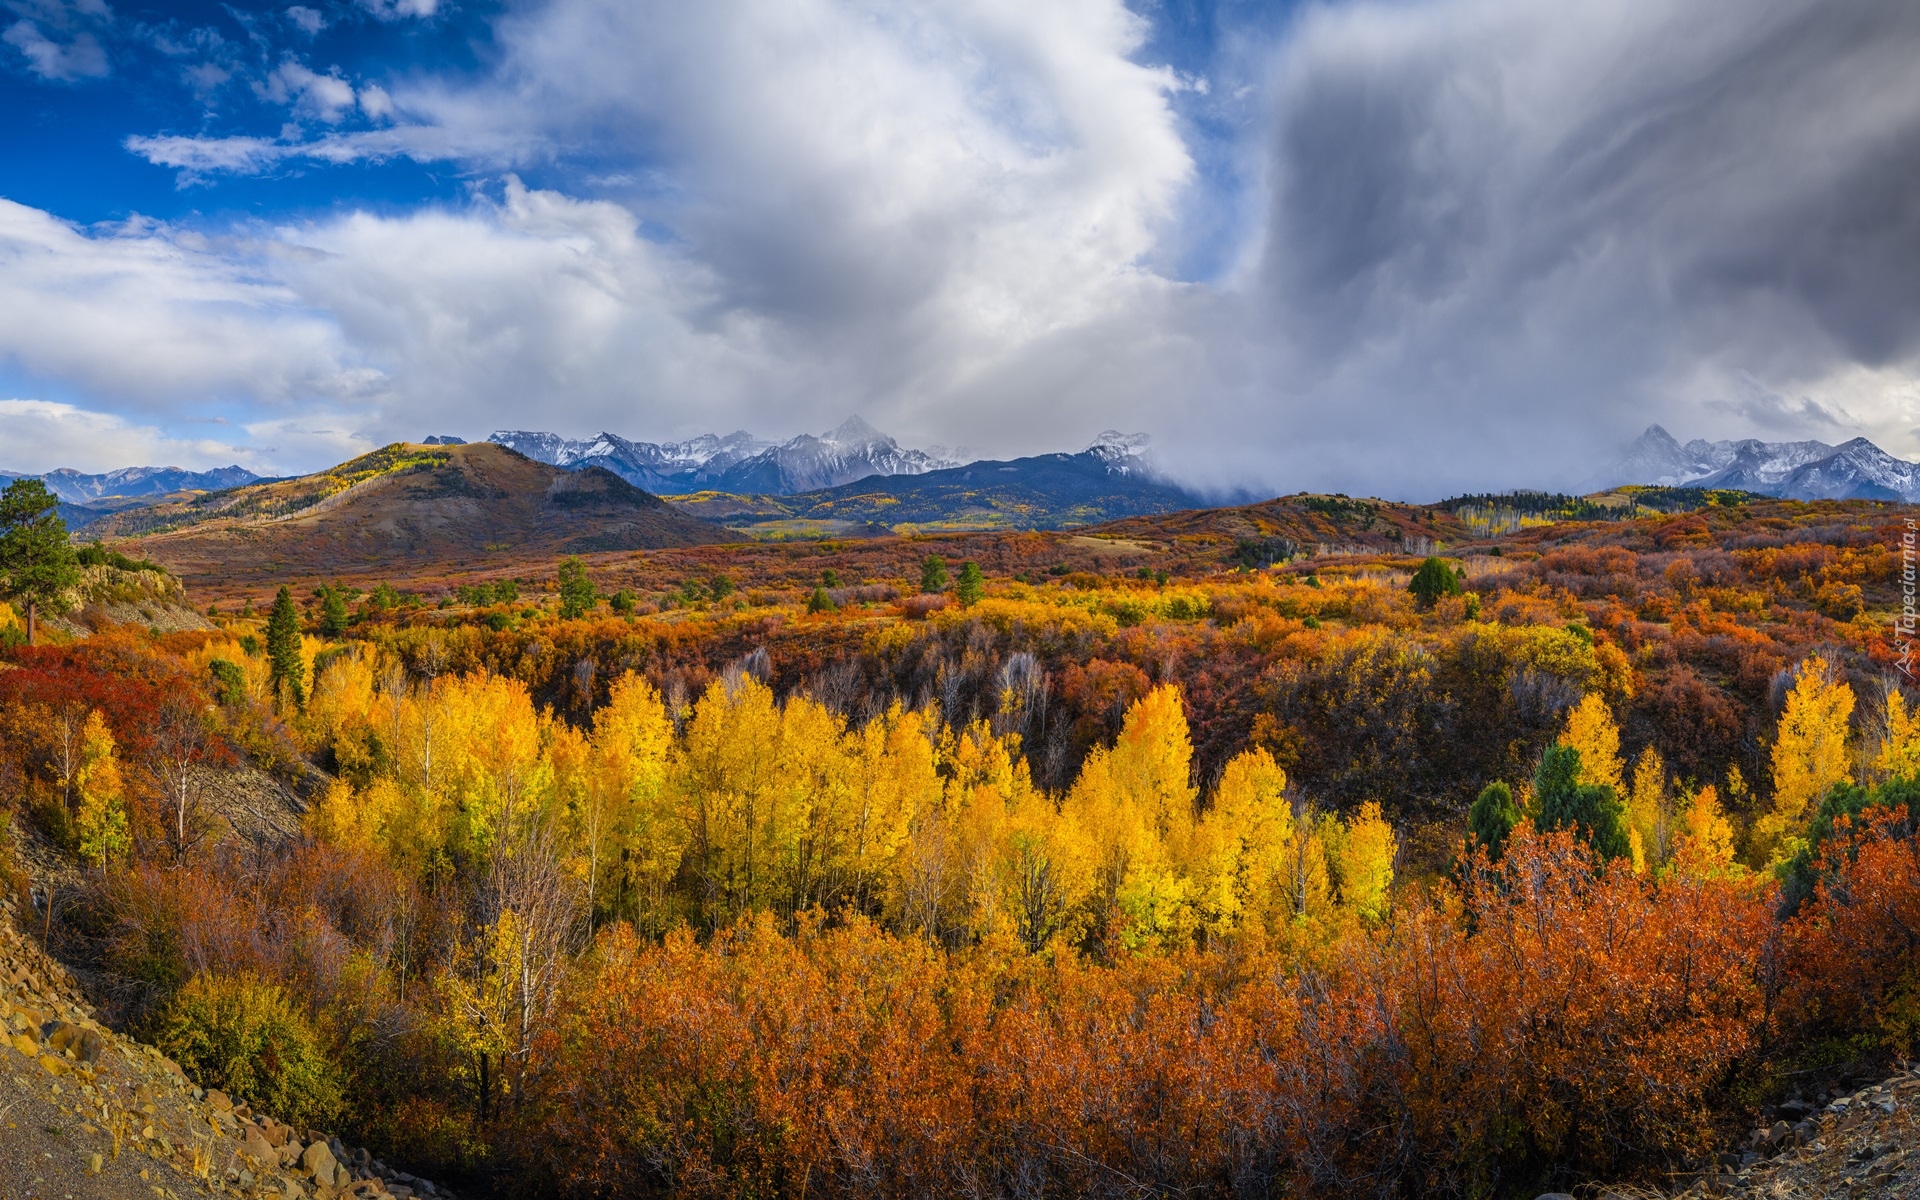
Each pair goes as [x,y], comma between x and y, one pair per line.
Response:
[1475,243]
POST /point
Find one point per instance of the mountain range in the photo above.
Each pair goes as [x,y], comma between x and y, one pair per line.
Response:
[75,487]
[1110,479]
[1810,470]
[738,463]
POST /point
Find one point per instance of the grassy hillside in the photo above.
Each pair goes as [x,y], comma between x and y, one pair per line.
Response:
[415,508]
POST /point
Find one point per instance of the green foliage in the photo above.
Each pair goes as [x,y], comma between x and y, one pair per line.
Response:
[96,555]
[577,597]
[971,586]
[933,574]
[229,682]
[1841,808]
[289,666]
[244,1036]
[385,597]
[333,612]
[820,601]
[623,601]
[1255,553]
[830,578]
[1492,817]
[1591,811]
[1338,507]
[720,586]
[37,566]
[1433,580]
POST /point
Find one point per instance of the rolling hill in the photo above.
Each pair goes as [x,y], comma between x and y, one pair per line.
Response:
[417,506]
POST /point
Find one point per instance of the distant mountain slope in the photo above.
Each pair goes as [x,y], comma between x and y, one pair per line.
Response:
[1285,525]
[417,505]
[738,463]
[74,487]
[1855,470]
[1047,491]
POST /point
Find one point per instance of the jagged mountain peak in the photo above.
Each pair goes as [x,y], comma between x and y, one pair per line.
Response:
[854,431]
[1802,470]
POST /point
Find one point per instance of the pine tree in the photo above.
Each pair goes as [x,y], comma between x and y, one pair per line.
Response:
[933,574]
[333,613]
[1591,811]
[577,597]
[287,664]
[971,585]
[1433,580]
[1491,819]
[821,601]
[37,565]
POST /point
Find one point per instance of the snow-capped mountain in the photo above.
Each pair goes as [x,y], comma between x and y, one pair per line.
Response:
[738,463]
[77,488]
[1855,470]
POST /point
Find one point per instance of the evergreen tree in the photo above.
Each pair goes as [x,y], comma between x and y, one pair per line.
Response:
[283,647]
[971,586]
[933,574]
[1592,811]
[1433,580]
[820,601]
[37,565]
[577,597]
[333,613]
[1492,817]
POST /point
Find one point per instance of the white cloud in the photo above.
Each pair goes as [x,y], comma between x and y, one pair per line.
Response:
[81,57]
[306,20]
[157,318]
[324,97]
[37,436]
[399,10]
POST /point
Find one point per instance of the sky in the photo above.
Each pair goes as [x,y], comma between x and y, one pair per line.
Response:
[1398,247]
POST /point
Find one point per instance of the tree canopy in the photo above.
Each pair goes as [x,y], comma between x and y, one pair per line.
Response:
[37,565]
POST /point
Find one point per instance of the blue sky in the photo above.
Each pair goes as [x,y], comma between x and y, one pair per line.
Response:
[1380,245]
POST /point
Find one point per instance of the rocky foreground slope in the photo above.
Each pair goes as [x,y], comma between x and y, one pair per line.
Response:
[87,1114]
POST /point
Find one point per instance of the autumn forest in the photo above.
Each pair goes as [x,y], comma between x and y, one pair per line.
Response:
[1170,857]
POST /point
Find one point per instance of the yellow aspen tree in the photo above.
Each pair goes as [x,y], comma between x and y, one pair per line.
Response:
[1237,851]
[1591,731]
[342,818]
[1135,802]
[100,816]
[1647,814]
[1703,843]
[1365,862]
[1809,757]
[1899,756]
[727,784]
[494,763]
[629,807]
[811,827]
[1306,882]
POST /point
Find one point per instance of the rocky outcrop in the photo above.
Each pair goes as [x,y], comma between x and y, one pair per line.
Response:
[1863,1144]
[82,1106]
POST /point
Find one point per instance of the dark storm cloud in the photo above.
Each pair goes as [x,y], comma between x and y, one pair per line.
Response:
[1507,228]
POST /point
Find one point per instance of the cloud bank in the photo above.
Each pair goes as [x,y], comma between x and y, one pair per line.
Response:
[1477,243]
